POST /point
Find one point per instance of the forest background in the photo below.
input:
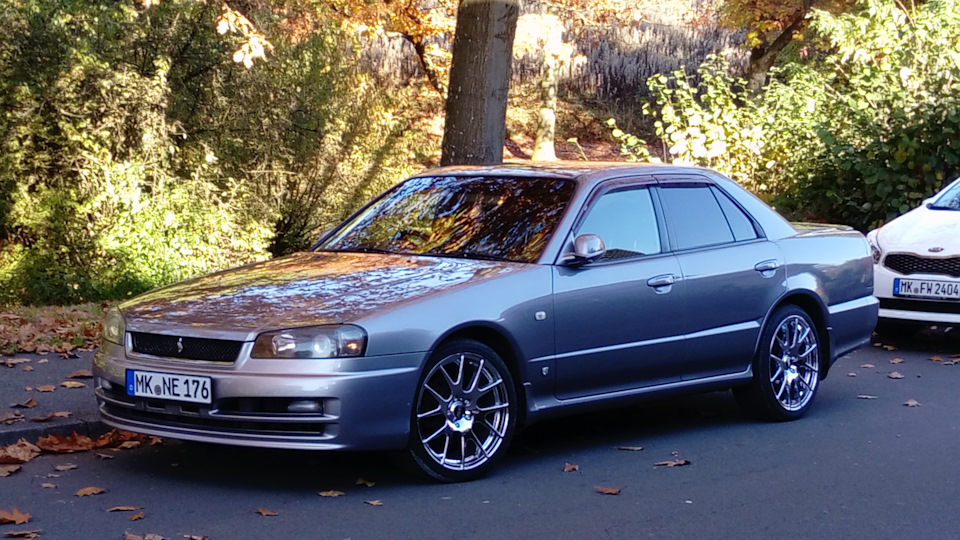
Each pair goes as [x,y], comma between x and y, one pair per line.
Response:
[146,141]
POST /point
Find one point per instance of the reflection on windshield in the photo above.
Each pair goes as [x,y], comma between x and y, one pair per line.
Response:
[950,200]
[475,218]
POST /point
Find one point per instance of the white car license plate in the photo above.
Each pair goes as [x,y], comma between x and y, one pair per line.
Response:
[169,386]
[924,288]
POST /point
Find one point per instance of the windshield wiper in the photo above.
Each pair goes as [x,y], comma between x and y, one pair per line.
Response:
[466,254]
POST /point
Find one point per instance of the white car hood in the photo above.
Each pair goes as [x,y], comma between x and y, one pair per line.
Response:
[922,230]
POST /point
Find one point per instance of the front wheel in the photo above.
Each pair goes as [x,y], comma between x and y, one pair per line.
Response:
[786,371]
[464,413]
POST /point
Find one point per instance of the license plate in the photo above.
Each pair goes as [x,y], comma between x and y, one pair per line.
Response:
[923,288]
[169,386]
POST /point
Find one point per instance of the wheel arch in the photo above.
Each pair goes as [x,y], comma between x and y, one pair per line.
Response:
[813,306]
[504,345]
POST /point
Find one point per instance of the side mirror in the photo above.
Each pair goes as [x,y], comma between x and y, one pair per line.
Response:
[586,248]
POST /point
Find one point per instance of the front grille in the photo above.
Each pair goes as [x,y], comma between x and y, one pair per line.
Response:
[187,348]
[928,306]
[911,264]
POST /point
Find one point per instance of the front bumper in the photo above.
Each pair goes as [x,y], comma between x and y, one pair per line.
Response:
[921,310]
[362,403]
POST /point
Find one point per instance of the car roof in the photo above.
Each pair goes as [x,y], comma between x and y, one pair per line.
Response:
[584,172]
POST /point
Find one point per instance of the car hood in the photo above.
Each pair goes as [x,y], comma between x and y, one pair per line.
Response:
[922,229]
[300,290]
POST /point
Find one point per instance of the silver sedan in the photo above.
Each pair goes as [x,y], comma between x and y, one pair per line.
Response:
[467,302]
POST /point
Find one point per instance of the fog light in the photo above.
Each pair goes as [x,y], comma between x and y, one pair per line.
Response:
[305,406]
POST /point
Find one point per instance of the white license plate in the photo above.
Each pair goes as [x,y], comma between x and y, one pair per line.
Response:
[169,386]
[924,288]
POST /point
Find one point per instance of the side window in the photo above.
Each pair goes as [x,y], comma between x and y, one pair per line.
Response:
[695,216]
[741,225]
[627,223]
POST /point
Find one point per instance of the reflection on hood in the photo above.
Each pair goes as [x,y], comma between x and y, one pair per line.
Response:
[304,289]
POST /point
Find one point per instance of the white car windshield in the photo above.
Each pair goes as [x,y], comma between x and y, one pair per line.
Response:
[949,199]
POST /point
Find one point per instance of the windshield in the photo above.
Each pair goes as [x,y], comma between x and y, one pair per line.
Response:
[949,199]
[493,218]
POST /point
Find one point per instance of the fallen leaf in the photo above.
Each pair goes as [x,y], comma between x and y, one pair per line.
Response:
[148,536]
[101,455]
[124,509]
[570,467]
[265,512]
[911,403]
[19,452]
[46,388]
[630,448]
[867,366]
[73,384]
[672,463]
[28,388]
[43,361]
[136,517]
[28,404]
[14,516]
[81,374]
[851,374]
[195,537]
[10,362]
[51,416]
[65,444]
[65,467]
[48,485]
[12,418]
[23,534]
[375,502]
[92,490]
[897,361]
[936,358]
[331,493]
[129,445]
[361,482]
[866,396]
[7,470]
[28,368]
[895,375]
[889,347]
[608,490]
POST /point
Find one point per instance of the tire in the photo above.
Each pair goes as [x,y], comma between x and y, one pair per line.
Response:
[464,412]
[786,370]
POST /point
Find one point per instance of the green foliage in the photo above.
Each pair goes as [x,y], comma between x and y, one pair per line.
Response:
[857,134]
[134,152]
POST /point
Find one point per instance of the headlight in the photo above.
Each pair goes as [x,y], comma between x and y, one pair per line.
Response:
[874,246]
[311,342]
[114,327]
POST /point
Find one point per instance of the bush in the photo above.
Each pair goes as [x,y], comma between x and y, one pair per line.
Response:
[856,134]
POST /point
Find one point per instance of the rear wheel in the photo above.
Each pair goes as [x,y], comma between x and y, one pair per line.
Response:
[786,371]
[464,413]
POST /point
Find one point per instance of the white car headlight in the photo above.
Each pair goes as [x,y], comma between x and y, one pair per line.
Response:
[114,327]
[331,341]
[875,245]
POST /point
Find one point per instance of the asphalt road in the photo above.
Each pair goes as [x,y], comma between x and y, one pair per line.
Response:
[853,468]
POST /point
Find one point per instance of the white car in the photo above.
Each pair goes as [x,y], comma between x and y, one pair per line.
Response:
[917,265]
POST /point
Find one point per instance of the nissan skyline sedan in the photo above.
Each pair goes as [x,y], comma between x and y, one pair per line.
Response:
[468,302]
[917,265]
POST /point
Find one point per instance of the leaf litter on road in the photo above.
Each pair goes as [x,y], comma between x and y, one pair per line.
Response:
[895,375]
[23,534]
[570,467]
[630,448]
[607,490]
[14,516]
[866,396]
[672,463]
[331,493]
[90,490]
[267,512]
[911,403]
[7,470]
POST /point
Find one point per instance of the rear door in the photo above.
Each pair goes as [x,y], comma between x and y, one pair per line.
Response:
[732,275]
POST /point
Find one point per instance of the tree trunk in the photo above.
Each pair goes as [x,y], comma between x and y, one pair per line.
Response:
[543,148]
[479,82]
[762,58]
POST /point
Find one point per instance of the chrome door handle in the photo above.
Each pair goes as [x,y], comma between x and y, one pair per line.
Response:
[662,280]
[766,266]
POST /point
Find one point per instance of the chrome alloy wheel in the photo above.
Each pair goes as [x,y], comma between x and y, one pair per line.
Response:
[794,362]
[463,411]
